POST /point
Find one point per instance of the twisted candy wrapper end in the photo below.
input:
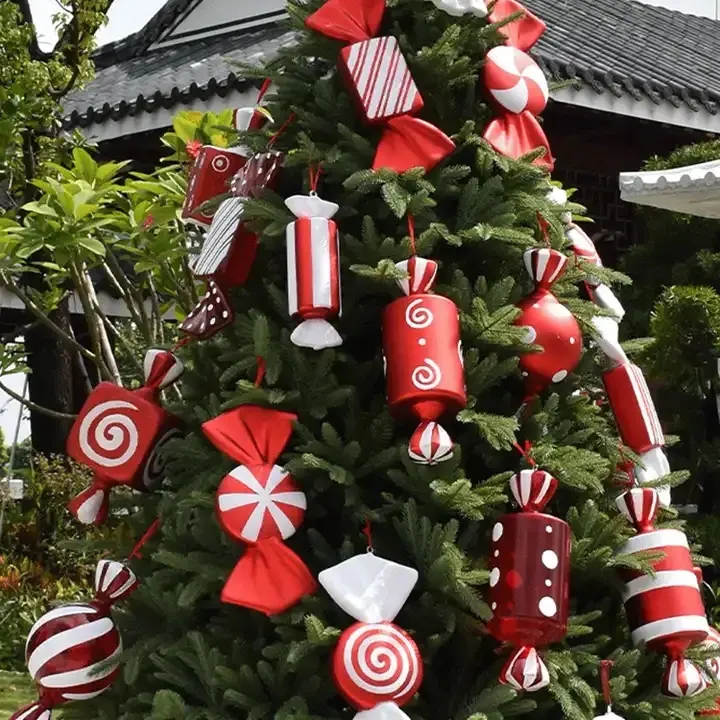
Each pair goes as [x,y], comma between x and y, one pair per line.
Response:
[250,435]
[382,711]
[682,678]
[545,266]
[608,332]
[113,582]
[639,506]
[430,444]
[269,578]
[34,711]
[161,368]
[317,334]
[522,33]
[525,670]
[302,206]
[517,135]
[92,505]
[348,20]
[369,588]
[533,489]
[421,275]
[408,142]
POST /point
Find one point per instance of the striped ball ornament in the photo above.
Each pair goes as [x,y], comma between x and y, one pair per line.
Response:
[73,651]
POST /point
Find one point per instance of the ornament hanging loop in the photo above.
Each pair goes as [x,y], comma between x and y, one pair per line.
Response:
[261,368]
[605,669]
[314,173]
[524,450]
[411,233]
[367,532]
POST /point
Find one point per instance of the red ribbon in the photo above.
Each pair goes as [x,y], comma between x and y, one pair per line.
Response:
[605,668]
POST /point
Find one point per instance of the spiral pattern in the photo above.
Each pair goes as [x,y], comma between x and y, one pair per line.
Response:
[108,436]
[154,470]
[382,661]
[220,163]
[428,376]
[417,316]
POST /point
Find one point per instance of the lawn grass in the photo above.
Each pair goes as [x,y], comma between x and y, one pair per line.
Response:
[16,690]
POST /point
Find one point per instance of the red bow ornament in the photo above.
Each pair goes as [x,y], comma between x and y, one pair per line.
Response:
[517,86]
[378,75]
[259,503]
[120,434]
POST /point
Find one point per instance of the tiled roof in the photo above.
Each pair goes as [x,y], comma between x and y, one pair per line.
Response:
[619,46]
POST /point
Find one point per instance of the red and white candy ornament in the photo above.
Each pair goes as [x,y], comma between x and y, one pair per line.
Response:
[549,324]
[423,360]
[73,651]
[376,665]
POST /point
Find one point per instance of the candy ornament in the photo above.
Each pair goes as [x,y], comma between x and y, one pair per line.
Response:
[549,324]
[119,434]
[313,271]
[73,651]
[665,610]
[259,504]
[378,76]
[457,8]
[423,360]
[712,665]
[529,580]
[376,665]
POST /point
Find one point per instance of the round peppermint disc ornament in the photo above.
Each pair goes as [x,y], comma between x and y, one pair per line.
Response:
[259,503]
[375,663]
[515,80]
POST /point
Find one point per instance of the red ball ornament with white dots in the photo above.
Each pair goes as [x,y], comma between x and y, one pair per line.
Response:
[548,323]
[529,579]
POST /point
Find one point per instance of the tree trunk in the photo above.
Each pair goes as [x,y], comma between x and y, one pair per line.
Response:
[50,383]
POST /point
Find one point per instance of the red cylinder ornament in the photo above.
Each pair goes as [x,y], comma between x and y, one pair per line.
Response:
[549,324]
[665,610]
[529,579]
[423,360]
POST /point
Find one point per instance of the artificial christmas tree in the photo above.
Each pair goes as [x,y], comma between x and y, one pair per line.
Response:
[456,569]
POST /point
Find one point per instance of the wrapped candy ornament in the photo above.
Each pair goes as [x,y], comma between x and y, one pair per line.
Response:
[376,665]
[549,324]
[517,86]
[73,651]
[423,360]
[665,610]
[712,665]
[529,580]
[457,8]
[259,504]
[379,78]
[313,271]
[120,435]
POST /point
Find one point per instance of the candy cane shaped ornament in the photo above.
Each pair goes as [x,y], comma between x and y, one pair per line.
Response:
[73,651]
[313,271]
[117,434]
[376,665]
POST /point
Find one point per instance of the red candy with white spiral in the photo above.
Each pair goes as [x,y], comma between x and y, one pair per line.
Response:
[529,580]
[376,665]
[665,610]
[73,651]
[120,434]
[549,324]
[423,360]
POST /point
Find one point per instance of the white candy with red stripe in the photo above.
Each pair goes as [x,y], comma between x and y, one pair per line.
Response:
[456,8]
[430,444]
[515,80]
[313,271]
[381,78]
[634,409]
[260,503]
[73,651]
[525,670]
[683,678]
[544,265]
[162,368]
[584,248]
[532,488]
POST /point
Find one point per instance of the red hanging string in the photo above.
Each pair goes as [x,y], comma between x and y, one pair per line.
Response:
[605,668]
[411,233]
[182,342]
[260,370]
[263,89]
[135,552]
[282,129]
[315,173]
[524,450]
[544,228]
[367,532]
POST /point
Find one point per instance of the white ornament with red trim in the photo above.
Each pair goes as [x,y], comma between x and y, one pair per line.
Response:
[313,271]
[515,80]
[376,666]
[457,8]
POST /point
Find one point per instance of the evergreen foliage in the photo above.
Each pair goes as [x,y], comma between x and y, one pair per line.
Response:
[187,655]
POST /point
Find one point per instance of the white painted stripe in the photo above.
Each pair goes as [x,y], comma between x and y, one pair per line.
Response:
[543,256]
[662,579]
[90,509]
[83,696]
[82,676]
[292,289]
[111,571]
[243,475]
[353,57]
[64,611]
[409,84]
[394,96]
[321,265]
[124,588]
[383,79]
[661,628]
[654,540]
[66,640]
[364,75]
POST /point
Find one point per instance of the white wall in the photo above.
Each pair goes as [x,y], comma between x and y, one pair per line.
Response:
[704,8]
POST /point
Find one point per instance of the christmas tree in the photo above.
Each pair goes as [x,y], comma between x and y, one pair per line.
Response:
[338,531]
